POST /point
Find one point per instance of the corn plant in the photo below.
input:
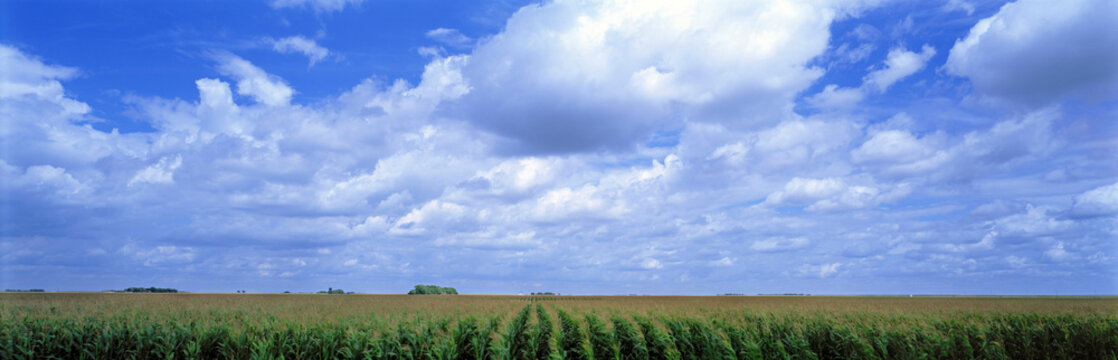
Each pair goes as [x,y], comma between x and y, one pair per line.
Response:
[572,341]
[542,339]
[602,346]
[630,343]
[517,337]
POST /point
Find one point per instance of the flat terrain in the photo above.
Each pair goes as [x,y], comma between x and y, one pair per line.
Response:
[116,325]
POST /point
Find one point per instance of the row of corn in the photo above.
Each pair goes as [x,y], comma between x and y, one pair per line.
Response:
[539,331]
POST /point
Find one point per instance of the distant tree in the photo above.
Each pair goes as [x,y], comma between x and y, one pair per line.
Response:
[151,289]
[432,290]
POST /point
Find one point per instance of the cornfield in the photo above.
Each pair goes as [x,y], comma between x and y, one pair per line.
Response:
[226,326]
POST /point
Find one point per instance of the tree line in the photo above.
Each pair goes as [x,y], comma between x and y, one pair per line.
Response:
[432,290]
[151,289]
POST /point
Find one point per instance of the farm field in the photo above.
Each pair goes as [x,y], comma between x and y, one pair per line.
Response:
[305,326]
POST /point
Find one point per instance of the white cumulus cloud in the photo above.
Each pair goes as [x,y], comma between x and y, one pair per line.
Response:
[1035,51]
[899,64]
[1102,200]
[162,172]
[252,81]
[569,77]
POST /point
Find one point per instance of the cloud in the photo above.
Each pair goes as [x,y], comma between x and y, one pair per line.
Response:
[26,76]
[780,244]
[959,5]
[1102,200]
[1058,253]
[723,185]
[832,193]
[53,180]
[433,213]
[450,37]
[1033,52]
[252,81]
[159,173]
[851,55]
[519,176]
[322,6]
[302,45]
[564,202]
[835,97]
[899,64]
[1035,221]
[566,77]
[159,255]
[651,264]
[895,146]
[822,270]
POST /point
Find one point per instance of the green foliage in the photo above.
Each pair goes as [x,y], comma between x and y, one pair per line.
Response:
[518,337]
[630,343]
[542,339]
[601,342]
[150,290]
[44,332]
[432,290]
[658,344]
[572,341]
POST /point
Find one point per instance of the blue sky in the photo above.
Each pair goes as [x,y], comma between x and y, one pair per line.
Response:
[837,147]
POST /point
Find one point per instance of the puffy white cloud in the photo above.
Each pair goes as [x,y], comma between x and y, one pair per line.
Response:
[795,142]
[1102,200]
[570,76]
[1033,51]
[25,76]
[519,175]
[434,213]
[1058,253]
[832,193]
[899,64]
[252,81]
[302,45]
[53,180]
[563,202]
[317,5]
[1035,221]
[891,146]
[159,173]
